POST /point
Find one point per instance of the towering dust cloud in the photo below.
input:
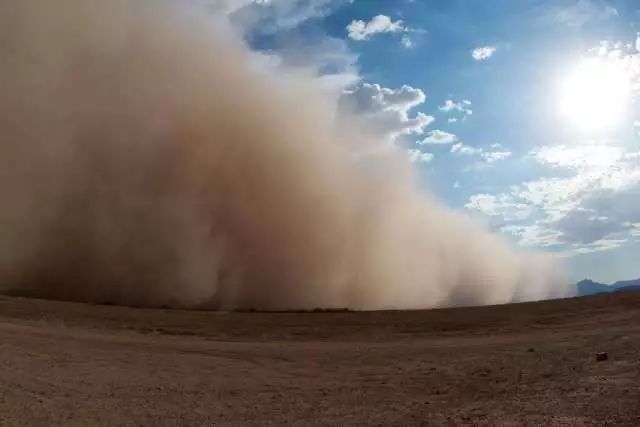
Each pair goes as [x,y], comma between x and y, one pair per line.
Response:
[145,159]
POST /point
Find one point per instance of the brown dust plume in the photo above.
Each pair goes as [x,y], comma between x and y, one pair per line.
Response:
[147,159]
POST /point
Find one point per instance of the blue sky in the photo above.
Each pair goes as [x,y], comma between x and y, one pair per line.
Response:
[520,113]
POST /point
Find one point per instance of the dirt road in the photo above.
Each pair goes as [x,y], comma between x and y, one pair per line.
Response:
[76,364]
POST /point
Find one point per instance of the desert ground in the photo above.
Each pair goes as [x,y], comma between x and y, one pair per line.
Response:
[534,363]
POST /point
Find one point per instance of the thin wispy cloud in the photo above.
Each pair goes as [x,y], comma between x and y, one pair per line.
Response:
[438,136]
[407,42]
[463,106]
[494,156]
[581,12]
[464,150]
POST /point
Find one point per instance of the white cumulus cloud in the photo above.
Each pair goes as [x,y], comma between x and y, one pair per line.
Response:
[483,52]
[386,111]
[417,156]
[360,30]
[592,206]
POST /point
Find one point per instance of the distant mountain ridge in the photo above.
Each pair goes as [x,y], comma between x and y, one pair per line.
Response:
[589,287]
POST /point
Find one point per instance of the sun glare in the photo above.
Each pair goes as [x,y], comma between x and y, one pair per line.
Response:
[594,95]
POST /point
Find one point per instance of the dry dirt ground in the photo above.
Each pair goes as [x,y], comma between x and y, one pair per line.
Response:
[75,364]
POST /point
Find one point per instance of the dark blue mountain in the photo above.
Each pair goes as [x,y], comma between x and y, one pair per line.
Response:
[626,283]
[632,288]
[589,287]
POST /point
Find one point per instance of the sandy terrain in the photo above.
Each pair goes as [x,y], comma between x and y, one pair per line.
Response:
[76,364]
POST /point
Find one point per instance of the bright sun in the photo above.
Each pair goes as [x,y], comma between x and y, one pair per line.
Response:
[594,95]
